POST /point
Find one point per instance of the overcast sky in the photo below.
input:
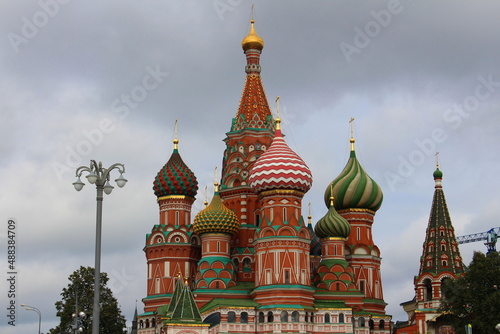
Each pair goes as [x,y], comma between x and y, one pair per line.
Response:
[83,80]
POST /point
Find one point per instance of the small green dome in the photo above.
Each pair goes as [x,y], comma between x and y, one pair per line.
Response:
[354,188]
[438,174]
[332,224]
[216,218]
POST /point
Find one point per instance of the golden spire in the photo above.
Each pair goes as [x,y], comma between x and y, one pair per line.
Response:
[331,194]
[351,122]
[278,119]
[252,40]
[176,141]
[206,197]
[309,217]
[216,183]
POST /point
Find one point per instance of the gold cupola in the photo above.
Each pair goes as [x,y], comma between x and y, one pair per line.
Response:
[252,40]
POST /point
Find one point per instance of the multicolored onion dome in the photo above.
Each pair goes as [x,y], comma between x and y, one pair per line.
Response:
[332,224]
[280,168]
[216,218]
[315,242]
[175,178]
[252,40]
[354,188]
[437,174]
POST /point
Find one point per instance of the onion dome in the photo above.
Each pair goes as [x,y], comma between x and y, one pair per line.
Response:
[280,168]
[332,224]
[175,178]
[252,40]
[216,218]
[354,188]
[437,174]
[315,242]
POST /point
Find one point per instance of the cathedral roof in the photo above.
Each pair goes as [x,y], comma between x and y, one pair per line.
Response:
[182,307]
[440,241]
[354,188]
[280,168]
[216,218]
[332,224]
[253,111]
[175,178]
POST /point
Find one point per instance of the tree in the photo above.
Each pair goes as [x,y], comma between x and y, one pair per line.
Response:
[474,298]
[81,290]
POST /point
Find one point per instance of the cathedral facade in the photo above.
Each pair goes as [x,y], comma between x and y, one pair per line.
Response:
[249,262]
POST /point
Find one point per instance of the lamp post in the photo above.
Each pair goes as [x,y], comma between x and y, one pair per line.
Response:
[77,317]
[100,177]
[32,308]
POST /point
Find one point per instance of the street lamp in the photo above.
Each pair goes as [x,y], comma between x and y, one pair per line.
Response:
[32,308]
[77,318]
[498,327]
[100,177]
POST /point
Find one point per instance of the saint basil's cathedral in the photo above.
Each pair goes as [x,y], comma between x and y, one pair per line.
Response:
[249,262]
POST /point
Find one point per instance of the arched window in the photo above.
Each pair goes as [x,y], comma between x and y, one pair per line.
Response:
[270,316]
[141,324]
[445,263]
[261,316]
[327,318]
[244,317]
[361,322]
[341,317]
[231,317]
[153,322]
[295,316]
[147,323]
[381,324]
[307,317]
[428,289]
[443,248]
[371,324]
[284,316]
[287,277]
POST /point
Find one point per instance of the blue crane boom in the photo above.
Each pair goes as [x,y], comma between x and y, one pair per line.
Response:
[490,236]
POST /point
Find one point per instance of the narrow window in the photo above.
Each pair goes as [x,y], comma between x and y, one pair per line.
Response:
[231,317]
[244,317]
[287,277]
[327,318]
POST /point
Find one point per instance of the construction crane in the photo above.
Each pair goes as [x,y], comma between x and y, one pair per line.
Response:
[490,236]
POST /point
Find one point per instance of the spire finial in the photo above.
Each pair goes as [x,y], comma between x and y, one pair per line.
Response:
[252,12]
[216,182]
[206,197]
[309,211]
[351,122]
[437,159]
[278,119]
[331,194]
[176,140]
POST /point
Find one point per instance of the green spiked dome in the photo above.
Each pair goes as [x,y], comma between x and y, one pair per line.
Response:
[175,178]
[354,188]
[216,218]
[332,224]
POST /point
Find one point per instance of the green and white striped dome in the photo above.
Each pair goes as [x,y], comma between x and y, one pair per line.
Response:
[354,188]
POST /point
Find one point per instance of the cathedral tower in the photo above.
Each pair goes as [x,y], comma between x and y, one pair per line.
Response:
[251,133]
[171,247]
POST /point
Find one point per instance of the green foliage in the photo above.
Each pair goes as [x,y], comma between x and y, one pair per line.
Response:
[474,298]
[81,286]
